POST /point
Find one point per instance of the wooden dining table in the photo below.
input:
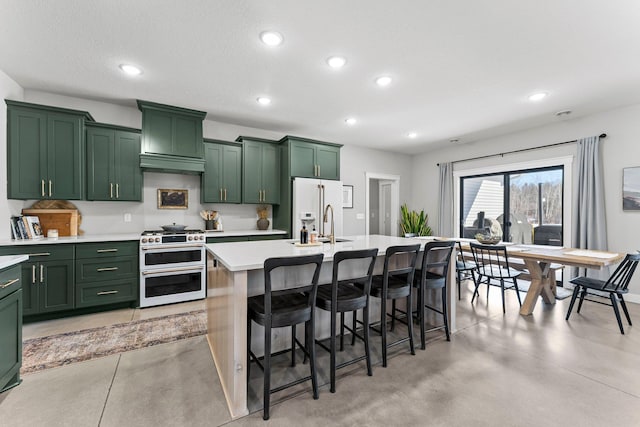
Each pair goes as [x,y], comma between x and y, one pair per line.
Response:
[538,260]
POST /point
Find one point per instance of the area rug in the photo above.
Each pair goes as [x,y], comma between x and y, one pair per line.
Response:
[63,349]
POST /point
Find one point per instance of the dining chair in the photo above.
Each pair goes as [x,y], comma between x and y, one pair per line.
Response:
[343,296]
[613,288]
[284,308]
[433,274]
[464,269]
[493,267]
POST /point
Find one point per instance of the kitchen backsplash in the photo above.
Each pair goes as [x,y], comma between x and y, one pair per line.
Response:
[108,217]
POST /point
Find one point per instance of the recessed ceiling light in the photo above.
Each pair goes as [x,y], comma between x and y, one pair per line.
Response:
[412,135]
[336,61]
[538,96]
[132,70]
[271,38]
[383,81]
[350,121]
[263,100]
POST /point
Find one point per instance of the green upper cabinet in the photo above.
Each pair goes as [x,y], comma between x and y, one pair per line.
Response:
[313,159]
[260,170]
[45,149]
[222,177]
[171,138]
[113,166]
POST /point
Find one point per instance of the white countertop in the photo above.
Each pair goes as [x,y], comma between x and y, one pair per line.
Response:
[251,255]
[11,260]
[238,233]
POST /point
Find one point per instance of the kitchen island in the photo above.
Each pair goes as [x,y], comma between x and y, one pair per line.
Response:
[235,272]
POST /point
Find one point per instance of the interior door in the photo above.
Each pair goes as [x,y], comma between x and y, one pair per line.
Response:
[385,208]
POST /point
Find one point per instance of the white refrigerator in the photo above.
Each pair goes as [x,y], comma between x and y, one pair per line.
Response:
[310,198]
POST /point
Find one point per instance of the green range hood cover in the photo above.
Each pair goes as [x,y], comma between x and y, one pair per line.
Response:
[173,164]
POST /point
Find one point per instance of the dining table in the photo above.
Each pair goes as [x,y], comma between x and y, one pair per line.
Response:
[538,260]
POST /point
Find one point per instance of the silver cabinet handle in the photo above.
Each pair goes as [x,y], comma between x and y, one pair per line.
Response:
[225,194]
[42,187]
[318,170]
[171,270]
[221,194]
[107,293]
[107,269]
[9,283]
[147,248]
[101,251]
[111,190]
[40,254]
[50,188]
[41,273]
[117,191]
[259,195]
[33,273]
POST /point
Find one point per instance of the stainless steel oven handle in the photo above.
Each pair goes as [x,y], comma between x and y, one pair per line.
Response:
[161,247]
[172,270]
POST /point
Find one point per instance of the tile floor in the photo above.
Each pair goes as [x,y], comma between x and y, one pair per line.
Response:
[497,371]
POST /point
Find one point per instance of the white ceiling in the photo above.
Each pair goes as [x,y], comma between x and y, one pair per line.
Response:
[461,69]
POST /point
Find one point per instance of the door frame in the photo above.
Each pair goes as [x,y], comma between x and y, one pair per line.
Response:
[395,198]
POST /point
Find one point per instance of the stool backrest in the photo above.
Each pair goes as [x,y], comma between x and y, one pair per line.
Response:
[491,260]
[407,270]
[620,278]
[341,256]
[271,264]
[435,262]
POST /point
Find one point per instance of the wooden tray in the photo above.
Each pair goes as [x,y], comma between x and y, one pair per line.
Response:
[63,220]
[306,245]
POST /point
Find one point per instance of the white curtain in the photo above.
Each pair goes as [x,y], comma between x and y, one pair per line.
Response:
[589,222]
[445,213]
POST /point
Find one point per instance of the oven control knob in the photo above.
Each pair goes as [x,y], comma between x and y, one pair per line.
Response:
[190,238]
[144,240]
[157,240]
[201,237]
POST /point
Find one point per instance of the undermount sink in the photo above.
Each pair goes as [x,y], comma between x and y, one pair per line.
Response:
[338,240]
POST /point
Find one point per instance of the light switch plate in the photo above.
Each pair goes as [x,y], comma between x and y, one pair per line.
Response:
[360,216]
[127,217]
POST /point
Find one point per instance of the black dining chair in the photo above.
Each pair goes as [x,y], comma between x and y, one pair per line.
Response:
[615,287]
[493,268]
[395,283]
[283,308]
[342,296]
[465,268]
[433,274]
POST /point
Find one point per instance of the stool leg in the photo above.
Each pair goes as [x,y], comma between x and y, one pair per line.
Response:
[504,309]
[342,331]
[584,294]
[576,290]
[459,281]
[515,283]
[332,356]
[393,315]
[267,370]
[421,317]
[444,313]
[614,304]
[624,308]
[383,329]
[410,324]
[353,326]
[293,346]
[311,345]
[365,320]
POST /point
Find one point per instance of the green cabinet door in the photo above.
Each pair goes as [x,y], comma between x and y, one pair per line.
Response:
[55,279]
[29,281]
[158,132]
[113,164]
[303,163]
[128,175]
[271,174]
[211,178]
[27,154]
[65,157]
[187,137]
[328,161]
[232,173]
[10,339]
[252,172]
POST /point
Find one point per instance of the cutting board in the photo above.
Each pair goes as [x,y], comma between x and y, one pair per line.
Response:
[63,220]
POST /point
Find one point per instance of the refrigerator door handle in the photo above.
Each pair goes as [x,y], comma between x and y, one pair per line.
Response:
[320,223]
[322,209]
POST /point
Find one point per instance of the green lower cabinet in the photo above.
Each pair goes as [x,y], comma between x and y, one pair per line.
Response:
[267,237]
[47,286]
[10,327]
[108,292]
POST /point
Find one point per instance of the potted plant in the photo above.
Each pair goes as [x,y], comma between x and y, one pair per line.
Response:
[413,223]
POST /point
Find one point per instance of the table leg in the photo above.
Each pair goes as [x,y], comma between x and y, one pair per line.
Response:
[540,285]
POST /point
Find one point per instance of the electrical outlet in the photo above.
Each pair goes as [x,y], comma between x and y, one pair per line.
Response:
[127,217]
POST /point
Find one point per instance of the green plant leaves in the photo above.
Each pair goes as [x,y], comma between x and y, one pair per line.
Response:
[414,222]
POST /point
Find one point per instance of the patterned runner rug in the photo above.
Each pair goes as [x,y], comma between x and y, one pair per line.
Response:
[62,349]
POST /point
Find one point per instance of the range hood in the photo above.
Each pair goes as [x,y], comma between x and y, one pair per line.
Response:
[172,164]
[171,139]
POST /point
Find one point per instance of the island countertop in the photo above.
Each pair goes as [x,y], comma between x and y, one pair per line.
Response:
[11,260]
[243,256]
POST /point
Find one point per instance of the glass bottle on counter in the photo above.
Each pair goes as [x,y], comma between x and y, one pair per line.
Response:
[304,235]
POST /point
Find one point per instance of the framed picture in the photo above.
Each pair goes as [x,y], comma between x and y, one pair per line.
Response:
[631,189]
[173,199]
[347,196]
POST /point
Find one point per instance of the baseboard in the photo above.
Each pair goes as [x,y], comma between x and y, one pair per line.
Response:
[634,298]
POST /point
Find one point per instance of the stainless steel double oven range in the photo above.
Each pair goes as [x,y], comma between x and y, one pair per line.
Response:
[172,267]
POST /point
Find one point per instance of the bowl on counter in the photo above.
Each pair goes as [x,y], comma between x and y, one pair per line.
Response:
[487,240]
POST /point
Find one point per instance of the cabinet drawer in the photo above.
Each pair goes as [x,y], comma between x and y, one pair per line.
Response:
[10,280]
[40,252]
[106,269]
[227,239]
[267,237]
[110,292]
[106,249]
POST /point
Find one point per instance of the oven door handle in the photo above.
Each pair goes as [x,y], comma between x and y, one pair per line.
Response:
[160,248]
[172,270]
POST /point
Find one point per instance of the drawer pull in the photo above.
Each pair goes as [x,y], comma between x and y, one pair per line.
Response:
[9,283]
[107,269]
[101,251]
[40,254]
[107,293]
[41,273]
[33,274]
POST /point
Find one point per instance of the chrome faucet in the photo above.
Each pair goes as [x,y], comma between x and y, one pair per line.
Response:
[332,237]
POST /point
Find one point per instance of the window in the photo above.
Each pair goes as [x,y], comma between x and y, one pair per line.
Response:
[521,206]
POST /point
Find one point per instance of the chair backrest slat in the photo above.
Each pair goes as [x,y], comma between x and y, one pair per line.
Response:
[621,277]
[491,259]
[436,258]
[271,264]
[394,251]
[341,256]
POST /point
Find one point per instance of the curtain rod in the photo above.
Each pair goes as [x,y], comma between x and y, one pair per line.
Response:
[603,135]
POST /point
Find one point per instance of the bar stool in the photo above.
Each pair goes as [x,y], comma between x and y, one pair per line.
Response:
[433,274]
[282,308]
[464,268]
[395,283]
[341,296]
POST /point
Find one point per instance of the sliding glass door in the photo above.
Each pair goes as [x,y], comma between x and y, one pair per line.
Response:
[519,206]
